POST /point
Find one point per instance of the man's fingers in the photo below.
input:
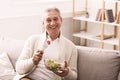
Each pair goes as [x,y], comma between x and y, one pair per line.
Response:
[37,56]
[40,52]
[65,64]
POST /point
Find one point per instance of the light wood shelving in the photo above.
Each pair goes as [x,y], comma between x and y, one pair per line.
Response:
[83,34]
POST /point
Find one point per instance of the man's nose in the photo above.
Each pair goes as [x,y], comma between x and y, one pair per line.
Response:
[52,22]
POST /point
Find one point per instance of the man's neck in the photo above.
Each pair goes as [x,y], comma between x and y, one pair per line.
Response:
[53,37]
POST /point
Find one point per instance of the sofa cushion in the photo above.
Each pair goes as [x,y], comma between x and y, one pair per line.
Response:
[6,69]
[12,47]
[98,64]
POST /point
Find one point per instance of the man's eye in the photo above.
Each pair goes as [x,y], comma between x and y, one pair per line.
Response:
[55,19]
[48,20]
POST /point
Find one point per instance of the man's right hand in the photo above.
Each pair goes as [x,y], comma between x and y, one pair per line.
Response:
[37,56]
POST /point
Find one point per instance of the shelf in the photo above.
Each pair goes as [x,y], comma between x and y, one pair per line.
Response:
[94,21]
[89,36]
[118,1]
[86,19]
[86,35]
[113,41]
[102,21]
[80,13]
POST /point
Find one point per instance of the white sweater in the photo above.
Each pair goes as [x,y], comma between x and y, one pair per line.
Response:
[68,52]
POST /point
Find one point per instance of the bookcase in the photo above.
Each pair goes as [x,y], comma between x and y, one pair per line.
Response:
[105,19]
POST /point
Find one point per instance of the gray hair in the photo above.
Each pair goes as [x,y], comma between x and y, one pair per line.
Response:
[53,9]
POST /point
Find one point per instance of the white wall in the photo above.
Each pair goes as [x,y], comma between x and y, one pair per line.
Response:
[20,28]
[20,19]
[23,27]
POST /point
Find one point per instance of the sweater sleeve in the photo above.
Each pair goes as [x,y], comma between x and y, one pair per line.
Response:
[25,64]
[72,75]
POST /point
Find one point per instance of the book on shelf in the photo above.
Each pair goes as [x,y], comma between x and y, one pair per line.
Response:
[99,15]
[104,36]
[109,15]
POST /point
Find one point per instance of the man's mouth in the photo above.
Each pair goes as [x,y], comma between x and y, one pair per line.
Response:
[53,27]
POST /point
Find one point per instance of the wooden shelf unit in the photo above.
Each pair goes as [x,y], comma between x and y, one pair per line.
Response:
[81,13]
[83,34]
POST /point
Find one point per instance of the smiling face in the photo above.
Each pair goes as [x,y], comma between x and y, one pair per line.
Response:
[52,23]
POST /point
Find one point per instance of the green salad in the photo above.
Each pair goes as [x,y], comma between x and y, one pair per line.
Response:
[52,65]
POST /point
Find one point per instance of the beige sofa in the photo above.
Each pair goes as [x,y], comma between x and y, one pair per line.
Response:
[93,63]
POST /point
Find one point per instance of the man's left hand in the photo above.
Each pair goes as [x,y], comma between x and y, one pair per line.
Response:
[63,71]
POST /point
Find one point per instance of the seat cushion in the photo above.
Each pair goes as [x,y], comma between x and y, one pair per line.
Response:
[97,64]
